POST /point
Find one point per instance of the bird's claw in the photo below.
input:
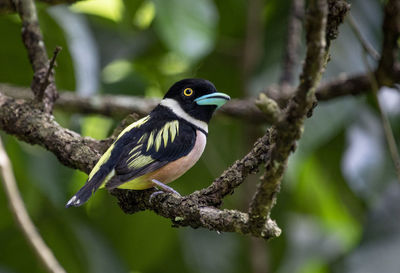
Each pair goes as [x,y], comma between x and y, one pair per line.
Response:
[165,189]
[154,194]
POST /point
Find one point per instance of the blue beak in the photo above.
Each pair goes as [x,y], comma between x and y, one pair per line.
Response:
[217,99]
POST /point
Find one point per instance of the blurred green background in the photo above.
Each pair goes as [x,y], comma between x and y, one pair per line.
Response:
[339,207]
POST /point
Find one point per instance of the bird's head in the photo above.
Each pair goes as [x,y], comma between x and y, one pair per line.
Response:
[196,97]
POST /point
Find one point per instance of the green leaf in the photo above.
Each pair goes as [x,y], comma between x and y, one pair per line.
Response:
[144,15]
[187,27]
[110,9]
[116,71]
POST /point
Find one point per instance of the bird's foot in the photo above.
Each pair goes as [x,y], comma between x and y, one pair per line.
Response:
[164,188]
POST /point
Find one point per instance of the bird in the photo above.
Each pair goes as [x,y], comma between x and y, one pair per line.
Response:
[161,146]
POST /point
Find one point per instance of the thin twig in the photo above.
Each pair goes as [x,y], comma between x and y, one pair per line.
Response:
[46,81]
[390,140]
[368,48]
[387,128]
[22,218]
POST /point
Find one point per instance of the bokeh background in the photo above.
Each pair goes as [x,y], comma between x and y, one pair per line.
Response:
[339,207]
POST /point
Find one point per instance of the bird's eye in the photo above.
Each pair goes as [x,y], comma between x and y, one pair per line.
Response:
[188,92]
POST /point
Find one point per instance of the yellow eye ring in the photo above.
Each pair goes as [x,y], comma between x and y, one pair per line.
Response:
[188,92]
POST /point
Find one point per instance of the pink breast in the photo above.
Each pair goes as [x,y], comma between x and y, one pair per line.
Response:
[176,168]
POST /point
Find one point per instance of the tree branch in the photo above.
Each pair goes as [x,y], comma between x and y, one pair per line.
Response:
[287,131]
[185,211]
[22,119]
[26,122]
[22,217]
[192,211]
[390,139]
[33,41]
[119,106]
[345,85]
[199,209]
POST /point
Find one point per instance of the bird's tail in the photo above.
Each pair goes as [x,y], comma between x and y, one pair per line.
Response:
[83,195]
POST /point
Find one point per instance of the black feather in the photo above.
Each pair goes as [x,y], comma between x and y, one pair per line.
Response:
[181,146]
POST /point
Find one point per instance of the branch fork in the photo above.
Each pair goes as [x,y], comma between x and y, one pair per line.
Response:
[201,208]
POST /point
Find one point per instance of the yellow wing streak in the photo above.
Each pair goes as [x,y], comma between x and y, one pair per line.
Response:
[158,139]
[140,162]
[150,141]
[174,129]
[108,177]
[165,133]
[134,155]
[142,138]
[135,149]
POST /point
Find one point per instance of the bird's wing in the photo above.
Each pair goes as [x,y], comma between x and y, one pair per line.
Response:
[100,172]
[165,142]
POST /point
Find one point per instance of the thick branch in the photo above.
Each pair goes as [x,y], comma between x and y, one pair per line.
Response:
[191,211]
[26,122]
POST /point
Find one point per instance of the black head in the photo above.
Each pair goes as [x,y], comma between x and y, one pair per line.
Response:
[197,97]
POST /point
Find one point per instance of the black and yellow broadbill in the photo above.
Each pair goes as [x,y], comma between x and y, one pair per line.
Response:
[160,147]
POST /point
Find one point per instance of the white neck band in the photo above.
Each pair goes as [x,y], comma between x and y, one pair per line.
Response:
[174,106]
